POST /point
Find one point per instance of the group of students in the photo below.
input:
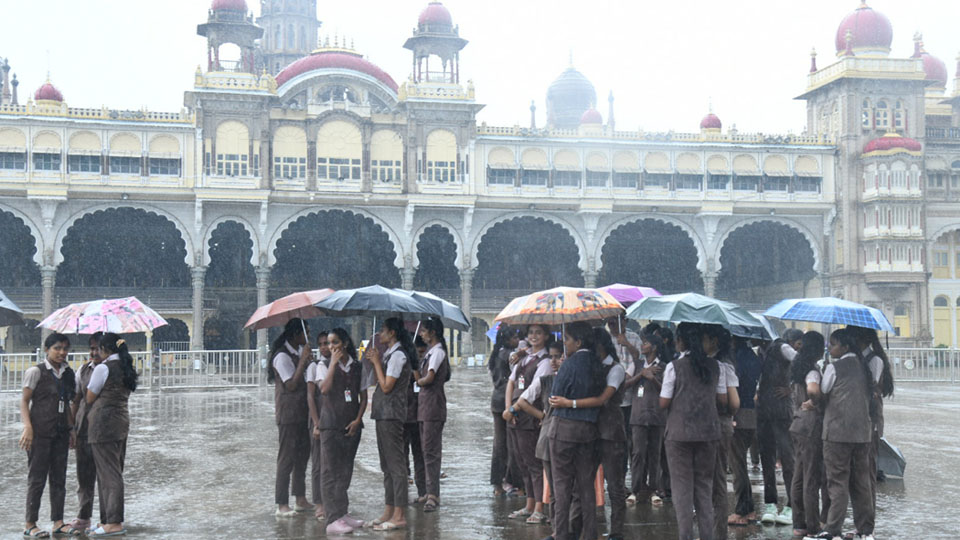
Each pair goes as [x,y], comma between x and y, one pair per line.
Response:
[320,404]
[686,409]
[86,411]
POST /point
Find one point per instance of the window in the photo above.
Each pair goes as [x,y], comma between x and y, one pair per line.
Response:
[290,168]
[626,180]
[899,116]
[338,169]
[83,164]
[46,162]
[567,178]
[746,183]
[899,179]
[720,182]
[386,171]
[808,184]
[124,165]
[654,180]
[231,165]
[866,115]
[776,183]
[935,180]
[501,177]
[13,161]
[941,258]
[442,171]
[690,181]
[940,301]
[164,167]
[597,178]
[882,116]
[531,177]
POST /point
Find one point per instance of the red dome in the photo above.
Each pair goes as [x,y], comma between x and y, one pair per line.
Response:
[592,116]
[711,121]
[871,30]
[935,68]
[233,5]
[335,60]
[892,141]
[435,13]
[48,92]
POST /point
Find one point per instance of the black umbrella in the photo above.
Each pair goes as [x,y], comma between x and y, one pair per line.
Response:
[890,459]
[10,314]
[450,315]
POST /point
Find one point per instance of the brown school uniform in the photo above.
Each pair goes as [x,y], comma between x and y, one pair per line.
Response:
[390,411]
[807,433]
[411,439]
[647,421]
[292,416]
[876,416]
[719,497]
[847,435]
[47,457]
[431,414]
[501,464]
[525,431]
[109,426]
[86,469]
[612,446]
[339,407]
[692,435]
[316,448]
[547,430]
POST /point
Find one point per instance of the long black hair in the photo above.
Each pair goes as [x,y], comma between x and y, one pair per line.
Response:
[582,332]
[292,329]
[723,337]
[848,338]
[348,346]
[657,343]
[603,339]
[436,326]
[68,379]
[669,344]
[691,335]
[869,336]
[806,361]
[114,344]
[404,338]
[504,334]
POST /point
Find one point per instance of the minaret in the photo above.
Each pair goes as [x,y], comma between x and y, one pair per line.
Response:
[15,84]
[229,21]
[611,123]
[5,82]
[291,31]
[533,115]
[436,36]
[813,60]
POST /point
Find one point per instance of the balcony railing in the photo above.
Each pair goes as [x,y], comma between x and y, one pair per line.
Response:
[951,134]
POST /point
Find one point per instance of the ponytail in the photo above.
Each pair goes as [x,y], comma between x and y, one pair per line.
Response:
[404,338]
[806,361]
[114,344]
[886,376]
[504,334]
[691,335]
[292,329]
[602,339]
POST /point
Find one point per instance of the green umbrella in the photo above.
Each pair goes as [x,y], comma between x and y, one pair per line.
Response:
[692,308]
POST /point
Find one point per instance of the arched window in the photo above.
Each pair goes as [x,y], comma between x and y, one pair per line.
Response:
[278,38]
[941,301]
[866,114]
[303,39]
[882,115]
[899,116]
[290,36]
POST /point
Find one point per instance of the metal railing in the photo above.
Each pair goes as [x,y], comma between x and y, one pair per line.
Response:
[13,366]
[207,369]
[925,365]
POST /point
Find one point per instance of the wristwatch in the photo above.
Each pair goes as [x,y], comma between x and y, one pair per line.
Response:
[574,404]
[513,411]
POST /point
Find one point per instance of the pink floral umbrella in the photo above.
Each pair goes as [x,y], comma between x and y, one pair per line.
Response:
[117,315]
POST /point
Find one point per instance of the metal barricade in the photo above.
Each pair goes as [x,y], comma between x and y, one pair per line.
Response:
[924,365]
[12,367]
[207,369]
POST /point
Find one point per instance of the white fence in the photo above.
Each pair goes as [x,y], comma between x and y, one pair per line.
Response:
[925,365]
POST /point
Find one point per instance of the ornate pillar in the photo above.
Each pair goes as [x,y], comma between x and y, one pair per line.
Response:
[709,283]
[197,274]
[466,290]
[590,279]
[263,285]
[407,273]
[48,279]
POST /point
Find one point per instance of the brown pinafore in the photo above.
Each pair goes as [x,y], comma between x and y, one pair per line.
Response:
[339,407]
[431,414]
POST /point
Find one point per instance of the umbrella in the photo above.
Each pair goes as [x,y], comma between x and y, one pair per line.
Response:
[376,301]
[560,305]
[890,460]
[765,331]
[10,314]
[628,294]
[830,311]
[492,332]
[281,310]
[451,315]
[693,308]
[117,315]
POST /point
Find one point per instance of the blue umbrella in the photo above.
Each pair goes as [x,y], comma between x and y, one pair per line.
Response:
[10,314]
[830,310]
[492,332]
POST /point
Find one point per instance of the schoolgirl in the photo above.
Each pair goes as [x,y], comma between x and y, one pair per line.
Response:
[716,345]
[393,371]
[647,421]
[627,344]
[109,390]
[523,429]
[47,434]
[411,427]
[744,432]
[876,358]
[432,406]
[807,433]
[499,366]
[313,404]
[338,429]
[86,470]
[691,392]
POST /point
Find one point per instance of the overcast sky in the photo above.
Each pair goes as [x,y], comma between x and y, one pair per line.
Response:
[664,60]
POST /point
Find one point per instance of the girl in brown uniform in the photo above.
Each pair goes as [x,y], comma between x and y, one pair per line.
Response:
[499,367]
[411,428]
[313,404]
[691,393]
[389,410]
[807,432]
[432,406]
[647,420]
[86,470]
[47,434]
[343,403]
[716,345]
[290,358]
[107,394]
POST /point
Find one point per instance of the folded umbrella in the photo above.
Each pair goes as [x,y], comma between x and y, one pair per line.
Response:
[281,310]
[890,459]
[830,311]
[559,306]
[10,314]
[692,308]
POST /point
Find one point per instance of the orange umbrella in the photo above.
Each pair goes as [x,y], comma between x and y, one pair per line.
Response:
[281,310]
[559,306]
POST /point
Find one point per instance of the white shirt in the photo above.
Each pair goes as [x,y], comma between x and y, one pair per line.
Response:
[100,373]
[435,356]
[31,377]
[532,393]
[670,380]
[788,352]
[543,365]
[616,375]
[830,376]
[728,375]
[395,361]
[284,364]
[813,376]
[876,364]
[320,370]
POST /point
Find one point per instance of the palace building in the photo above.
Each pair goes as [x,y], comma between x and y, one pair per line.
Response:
[301,164]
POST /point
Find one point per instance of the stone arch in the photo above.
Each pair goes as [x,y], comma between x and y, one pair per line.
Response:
[47,140]
[208,233]
[38,237]
[13,138]
[577,239]
[84,142]
[126,143]
[937,233]
[650,252]
[527,252]
[191,248]
[164,145]
[534,158]
[503,157]
[694,237]
[442,273]
[391,233]
[19,261]
[454,231]
[810,237]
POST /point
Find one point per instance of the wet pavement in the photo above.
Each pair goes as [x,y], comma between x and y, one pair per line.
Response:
[201,465]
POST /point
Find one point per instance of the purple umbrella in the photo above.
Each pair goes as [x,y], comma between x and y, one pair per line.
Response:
[628,294]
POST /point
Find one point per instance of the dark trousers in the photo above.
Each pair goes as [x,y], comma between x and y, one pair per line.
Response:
[431,439]
[575,518]
[316,469]
[47,459]
[719,492]
[573,467]
[86,478]
[737,458]
[531,468]
[611,457]
[337,459]
[665,482]
[292,458]
[755,450]
[498,461]
[629,431]
[411,443]
[848,479]
[514,467]
[805,490]
[109,458]
[691,474]
[392,462]
[774,438]
[645,460]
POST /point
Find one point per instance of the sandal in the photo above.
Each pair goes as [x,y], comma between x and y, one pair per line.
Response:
[388,526]
[100,532]
[39,534]
[420,500]
[737,520]
[520,514]
[655,500]
[536,518]
[66,530]
[632,499]
[431,505]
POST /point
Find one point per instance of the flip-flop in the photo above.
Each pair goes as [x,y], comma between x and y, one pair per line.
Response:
[519,514]
[41,534]
[99,532]
[388,526]
[70,531]
[374,523]
[431,505]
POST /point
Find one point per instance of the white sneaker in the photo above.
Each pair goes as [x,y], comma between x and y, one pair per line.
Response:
[785,517]
[867,537]
[769,514]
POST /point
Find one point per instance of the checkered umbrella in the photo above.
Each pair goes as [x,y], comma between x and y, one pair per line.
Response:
[830,311]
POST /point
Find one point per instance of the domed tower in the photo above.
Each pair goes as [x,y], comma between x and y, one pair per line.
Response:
[870,33]
[710,124]
[568,98]
[229,21]
[290,31]
[436,35]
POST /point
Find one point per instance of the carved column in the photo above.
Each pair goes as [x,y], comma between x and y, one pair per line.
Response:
[407,273]
[590,279]
[48,279]
[709,283]
[263,285]
[198,274]
[466,290]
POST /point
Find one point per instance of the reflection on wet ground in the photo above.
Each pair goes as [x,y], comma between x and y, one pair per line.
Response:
[201,465]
